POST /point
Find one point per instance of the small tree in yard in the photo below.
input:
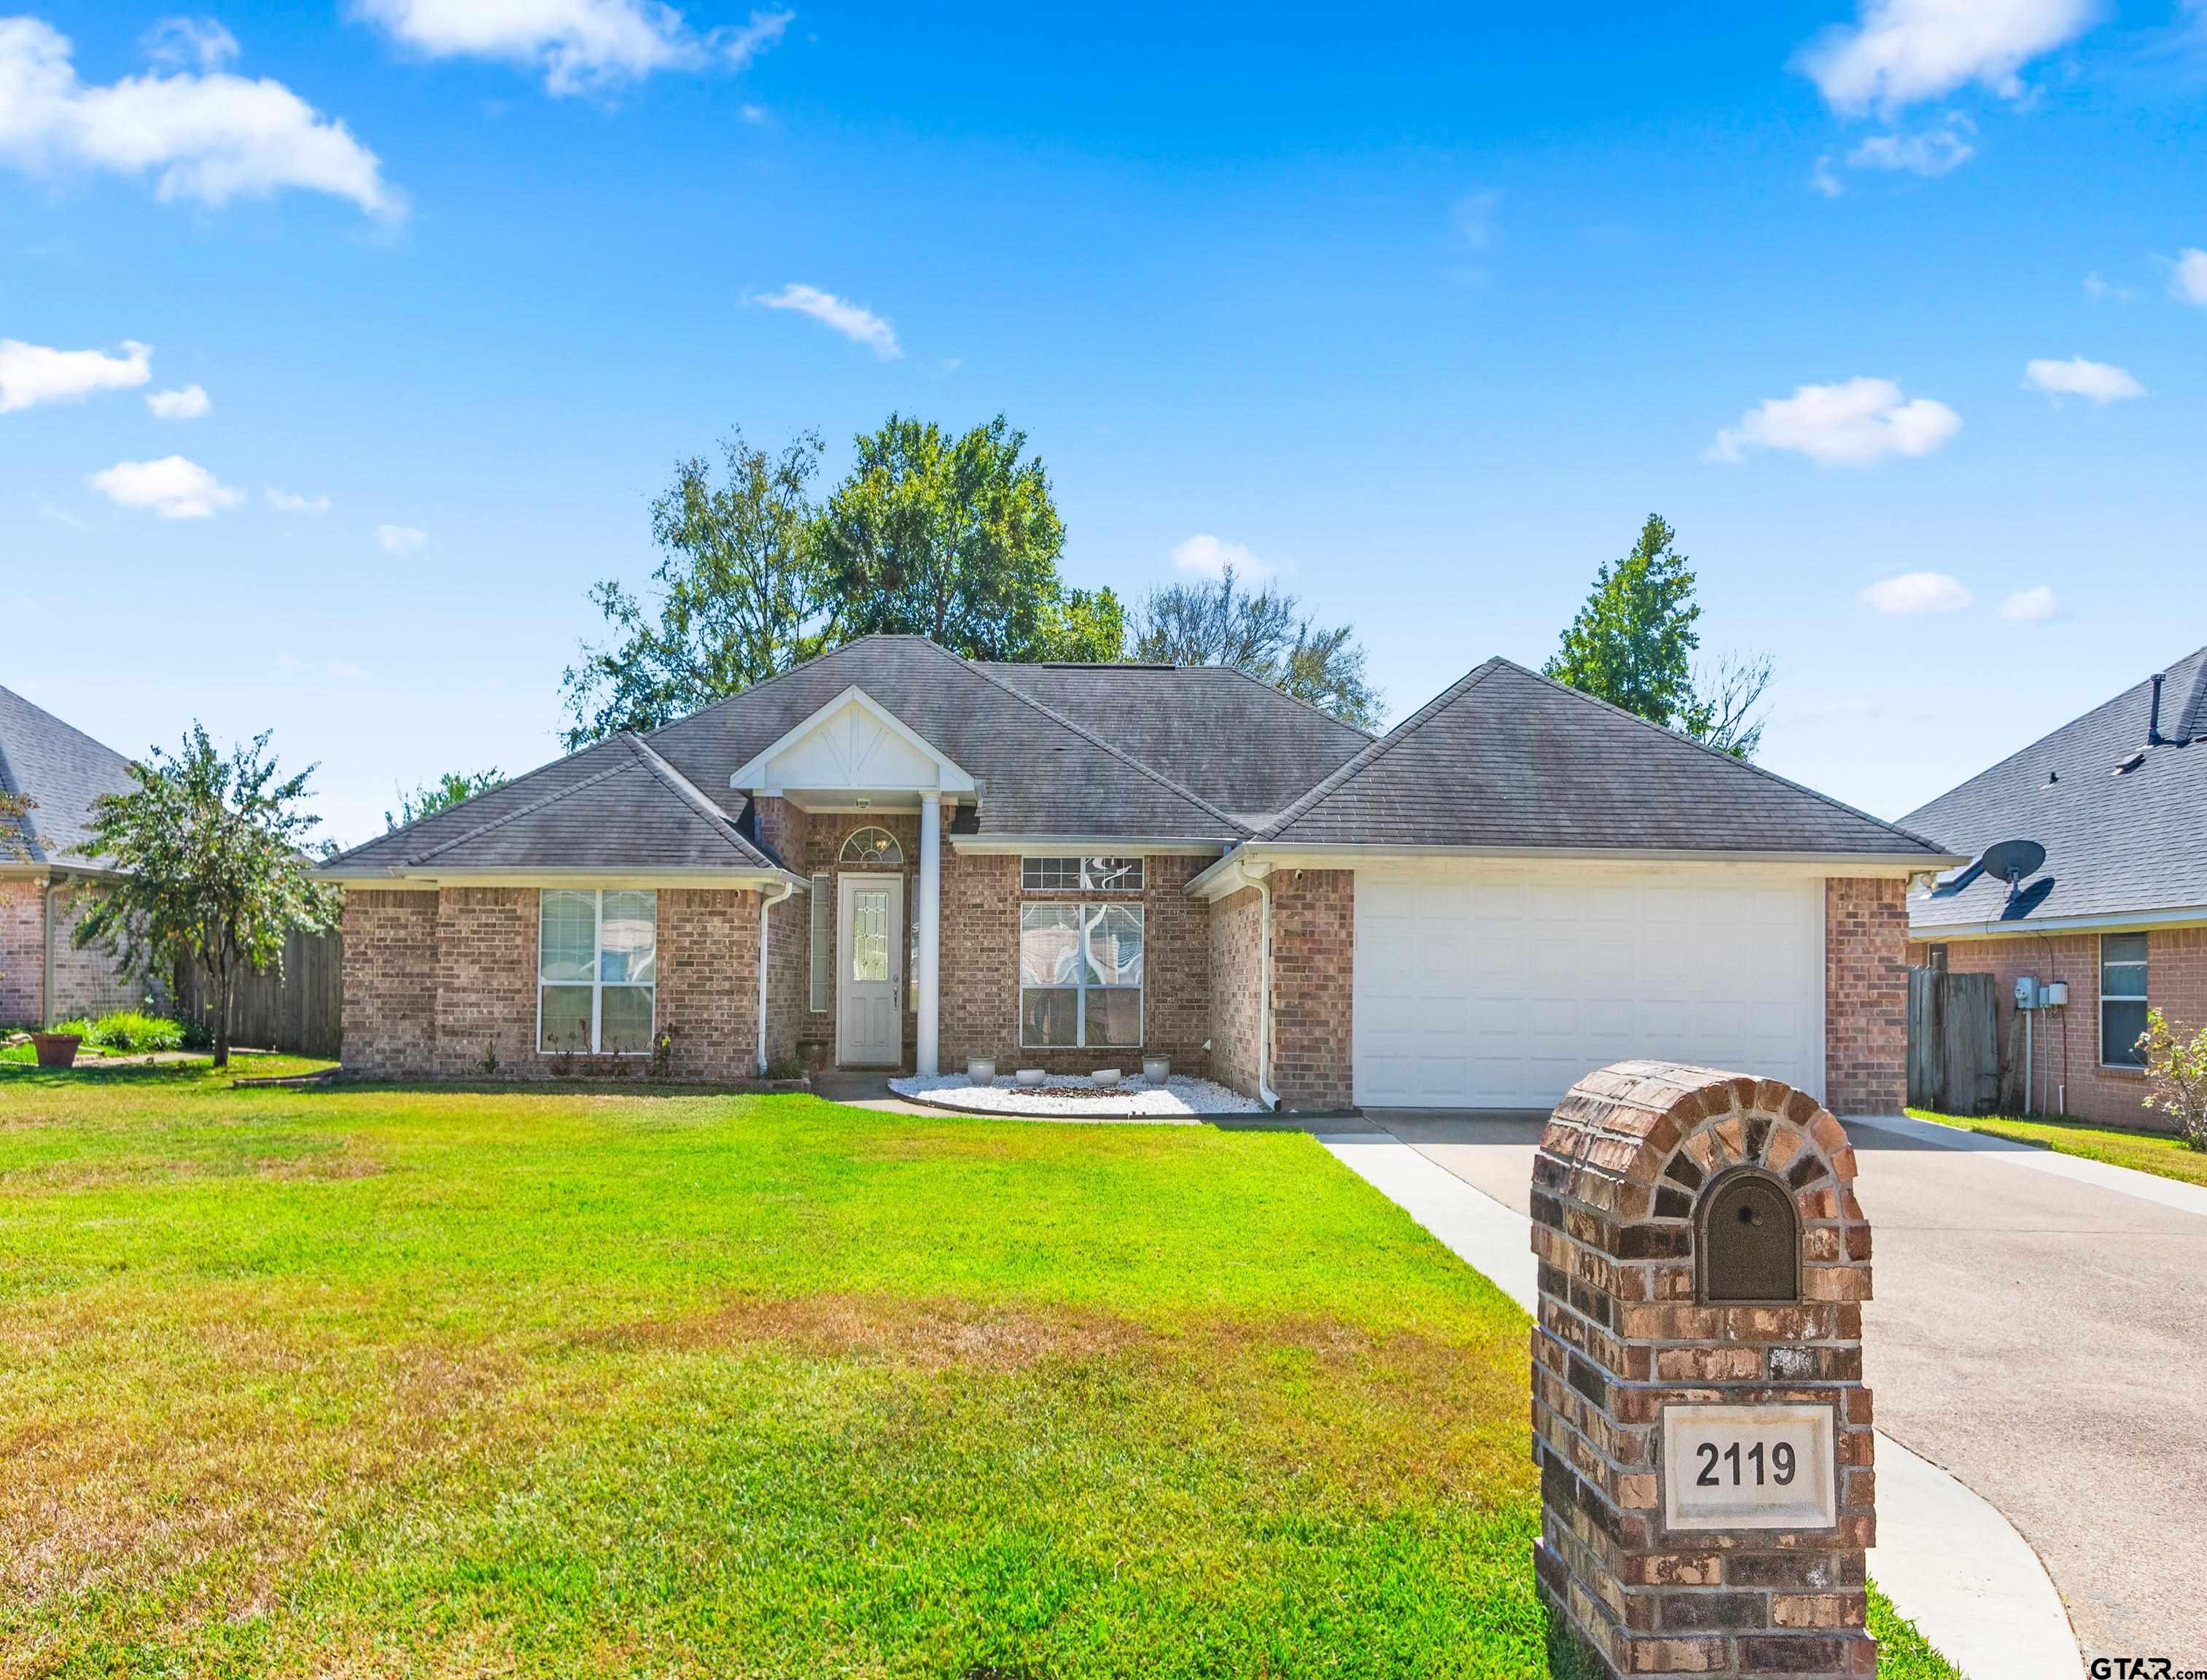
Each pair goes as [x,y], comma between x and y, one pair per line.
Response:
[214,872]
[2177,1070]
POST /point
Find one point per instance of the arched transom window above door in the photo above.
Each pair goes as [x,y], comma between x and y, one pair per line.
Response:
[871,847]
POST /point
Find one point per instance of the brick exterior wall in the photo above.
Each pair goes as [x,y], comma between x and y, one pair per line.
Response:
[391,983]
[22,951]
[1865,995]
[1313,959]
[2066,1044]
[1624,1329]
[437,983]
[87,981]
[709,982]
[979,982]
[1236,972]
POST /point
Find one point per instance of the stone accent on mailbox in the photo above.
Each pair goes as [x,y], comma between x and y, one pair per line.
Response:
[1676,1293]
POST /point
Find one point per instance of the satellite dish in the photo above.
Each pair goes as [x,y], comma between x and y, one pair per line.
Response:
[2021,904]
[2009,861]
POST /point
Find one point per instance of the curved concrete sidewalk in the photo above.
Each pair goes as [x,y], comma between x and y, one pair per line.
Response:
[1950,1562]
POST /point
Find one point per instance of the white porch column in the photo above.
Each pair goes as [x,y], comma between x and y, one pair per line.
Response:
[931,927]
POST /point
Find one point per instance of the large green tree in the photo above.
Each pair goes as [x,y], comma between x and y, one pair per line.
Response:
[958,539]
[214,869]
[1633,645]
[1263,632]
[742,595]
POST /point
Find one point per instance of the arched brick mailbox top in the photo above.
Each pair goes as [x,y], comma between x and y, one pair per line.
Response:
[1632,1339]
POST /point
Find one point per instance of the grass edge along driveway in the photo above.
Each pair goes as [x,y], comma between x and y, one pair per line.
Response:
[373,1381]
[2160,1153]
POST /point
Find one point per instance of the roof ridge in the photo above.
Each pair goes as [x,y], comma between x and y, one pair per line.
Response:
[518,811]
[695,797]
[1234,824]
[1670,733]
[1380,748]
[768,682]
[1310,706]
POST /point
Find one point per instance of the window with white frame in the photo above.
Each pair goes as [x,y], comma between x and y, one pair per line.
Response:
[1080,875]
[2122,999]
[872,848]
[597,966]
[1080,976]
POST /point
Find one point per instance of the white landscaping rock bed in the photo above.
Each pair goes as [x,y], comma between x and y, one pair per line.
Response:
[1074,1094]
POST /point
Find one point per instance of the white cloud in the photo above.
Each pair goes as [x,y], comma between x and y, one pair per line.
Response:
[1473,216]
[189,404]
[286,501]
[198,41]
[1851,423]
[400,539]
[1208,556]
[1900,52]
[860,326]
[171,487]
[1933,151]
[1822,179]
[210,136]
[2097,290]
[2100,381]
[2189,281]
[2031,606]
[581,45]
[34,374]
[1917,592]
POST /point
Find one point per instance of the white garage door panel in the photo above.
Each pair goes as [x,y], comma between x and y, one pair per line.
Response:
[1501,993]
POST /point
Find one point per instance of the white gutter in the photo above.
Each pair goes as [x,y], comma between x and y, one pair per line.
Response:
[1255,878]
[766,903]
[1286,854]
[2181,916]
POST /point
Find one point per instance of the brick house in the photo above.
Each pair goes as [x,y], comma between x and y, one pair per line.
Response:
[2119,800]
[891,856]
[44,883]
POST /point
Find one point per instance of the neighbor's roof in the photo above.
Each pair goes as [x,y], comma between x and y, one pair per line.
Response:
[63,770]
[615,806]
[1040,770]
[1506,759]
[2115,844]
[1221,733]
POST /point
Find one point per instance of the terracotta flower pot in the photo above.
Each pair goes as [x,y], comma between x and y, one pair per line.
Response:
[56,1050]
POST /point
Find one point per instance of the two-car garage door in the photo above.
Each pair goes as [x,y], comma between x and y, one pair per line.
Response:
[1499,989]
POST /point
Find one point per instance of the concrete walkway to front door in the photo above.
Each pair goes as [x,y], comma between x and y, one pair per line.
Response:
[1949,1561]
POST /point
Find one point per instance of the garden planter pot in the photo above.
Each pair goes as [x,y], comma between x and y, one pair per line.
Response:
[981,1070]
[55,1049]
[1031,1077]
[1157,1070]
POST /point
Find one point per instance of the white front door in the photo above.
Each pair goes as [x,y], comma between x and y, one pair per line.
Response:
[870,971]
[1498,988]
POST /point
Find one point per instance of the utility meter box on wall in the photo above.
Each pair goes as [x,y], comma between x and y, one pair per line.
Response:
[2026,991]
[2054,995]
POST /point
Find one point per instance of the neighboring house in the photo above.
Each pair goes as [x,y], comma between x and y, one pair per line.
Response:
[892,857]
[44,977]
[2118,799]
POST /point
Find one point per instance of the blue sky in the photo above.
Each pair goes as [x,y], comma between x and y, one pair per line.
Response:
[1423,309]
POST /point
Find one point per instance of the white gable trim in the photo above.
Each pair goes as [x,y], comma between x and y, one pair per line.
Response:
[810,757]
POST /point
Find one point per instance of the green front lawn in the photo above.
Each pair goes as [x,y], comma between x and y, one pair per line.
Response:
[359,1381]
[2144,1152]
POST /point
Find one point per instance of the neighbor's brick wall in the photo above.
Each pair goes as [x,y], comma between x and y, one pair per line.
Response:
[390,984]
[22,951]
[1236,972]
[709,982]
[2066,1044]
[1865,995]
[1313,959]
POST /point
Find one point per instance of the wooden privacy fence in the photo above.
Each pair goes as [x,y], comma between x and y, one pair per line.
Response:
[301,1012]
[1954,1042]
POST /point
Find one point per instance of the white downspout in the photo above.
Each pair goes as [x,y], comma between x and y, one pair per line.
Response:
[1255,876]
[766,905]
[927,1051]
[46,970]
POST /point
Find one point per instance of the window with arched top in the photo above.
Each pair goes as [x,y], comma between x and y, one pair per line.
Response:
[872,847]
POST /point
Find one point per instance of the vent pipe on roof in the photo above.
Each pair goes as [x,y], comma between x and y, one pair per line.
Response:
[2153,735]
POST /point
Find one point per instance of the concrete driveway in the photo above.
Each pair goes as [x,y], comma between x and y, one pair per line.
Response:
[2040,1328]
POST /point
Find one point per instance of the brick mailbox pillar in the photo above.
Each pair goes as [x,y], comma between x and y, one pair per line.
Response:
[1699,1416]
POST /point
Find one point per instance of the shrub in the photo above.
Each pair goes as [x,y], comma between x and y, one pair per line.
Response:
[2177,1068]
[135,1030]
